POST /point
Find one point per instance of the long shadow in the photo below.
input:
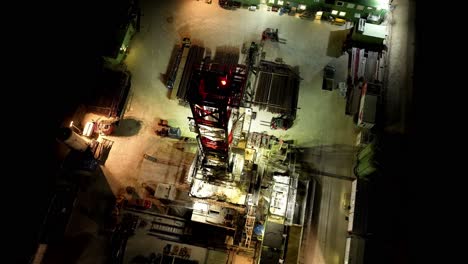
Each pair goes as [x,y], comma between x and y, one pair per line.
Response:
[128,127]
[312,211]
[334,161]
[325,160]
[332,149]
[95,196]
[335,43]
[315,195]
[69,251]
[93,207]
[97,199]
[316,206]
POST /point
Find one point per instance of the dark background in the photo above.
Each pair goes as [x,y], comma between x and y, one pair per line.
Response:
[53,63]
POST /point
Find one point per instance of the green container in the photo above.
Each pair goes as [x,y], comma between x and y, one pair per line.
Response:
[366,151]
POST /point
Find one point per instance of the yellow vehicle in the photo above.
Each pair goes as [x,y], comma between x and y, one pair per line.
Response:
[338,21]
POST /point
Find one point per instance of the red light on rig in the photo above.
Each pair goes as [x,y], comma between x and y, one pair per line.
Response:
[222,81]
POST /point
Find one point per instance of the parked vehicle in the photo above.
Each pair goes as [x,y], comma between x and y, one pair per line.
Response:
[228,4]
[141,204]
[172,132]
[283,122]
[339,22]
[328,78]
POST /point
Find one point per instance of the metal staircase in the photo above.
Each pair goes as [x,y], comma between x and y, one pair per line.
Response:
[249,226]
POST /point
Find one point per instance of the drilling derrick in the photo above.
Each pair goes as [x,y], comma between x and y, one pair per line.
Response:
[215,91]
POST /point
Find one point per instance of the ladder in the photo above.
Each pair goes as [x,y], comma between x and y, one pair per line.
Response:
[249,226]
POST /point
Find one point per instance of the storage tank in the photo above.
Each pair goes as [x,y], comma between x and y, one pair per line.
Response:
[72,139]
